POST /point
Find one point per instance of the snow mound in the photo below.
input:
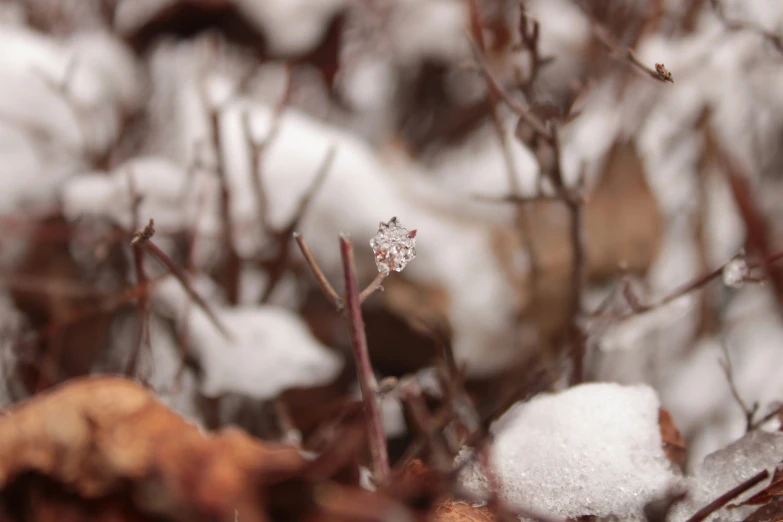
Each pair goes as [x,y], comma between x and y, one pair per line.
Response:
[593,449]
[271,350]
[727,468]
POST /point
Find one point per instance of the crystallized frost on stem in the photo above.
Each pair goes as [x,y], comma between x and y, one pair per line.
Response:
[394,246]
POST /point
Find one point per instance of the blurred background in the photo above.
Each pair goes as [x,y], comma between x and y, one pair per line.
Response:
[559,211]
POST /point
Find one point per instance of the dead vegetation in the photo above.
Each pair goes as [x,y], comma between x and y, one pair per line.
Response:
[110,415]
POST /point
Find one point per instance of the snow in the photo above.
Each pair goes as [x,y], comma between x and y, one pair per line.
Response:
[271,349]
[594,449]
[168,194]
[727,468]
[359,191]
[60,103]
[294,26]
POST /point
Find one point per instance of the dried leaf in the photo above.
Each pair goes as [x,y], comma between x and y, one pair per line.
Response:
[453,511]
[95,436]
[673,443]
[772,512]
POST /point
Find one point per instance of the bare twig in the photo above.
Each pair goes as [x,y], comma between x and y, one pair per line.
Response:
[372,287]
[411,395]
[774,412]
[572,199]
[627,54]
[141,278]
[517,199]
[364,369]
[758,234]
[278,265]
[323,282]
[728,496]
[728,369]
[498,90]
[144,239]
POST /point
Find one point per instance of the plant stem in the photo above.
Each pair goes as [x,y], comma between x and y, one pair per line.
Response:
[372,287]
[361,354]
[326,287]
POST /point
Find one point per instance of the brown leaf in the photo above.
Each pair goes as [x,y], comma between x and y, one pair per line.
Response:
[772,512]
[453,511]
[673,443]
[623,228]
[623,221]
[94,436]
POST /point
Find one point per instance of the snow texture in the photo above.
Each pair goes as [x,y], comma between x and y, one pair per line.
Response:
[727,468]
[61,105]
[271,349]
[594,449]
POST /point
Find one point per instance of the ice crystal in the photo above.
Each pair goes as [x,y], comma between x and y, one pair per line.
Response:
[394,246]
[736,272]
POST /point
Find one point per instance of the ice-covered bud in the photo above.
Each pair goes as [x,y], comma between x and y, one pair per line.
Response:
[394,246]
[736,272]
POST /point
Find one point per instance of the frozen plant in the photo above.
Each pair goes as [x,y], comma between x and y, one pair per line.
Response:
[394,246]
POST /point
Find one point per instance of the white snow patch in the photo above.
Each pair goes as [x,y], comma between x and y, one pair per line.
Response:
[593,449]
[727,468]
[271,351]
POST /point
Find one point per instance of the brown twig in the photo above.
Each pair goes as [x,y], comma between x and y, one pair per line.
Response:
[364,371]
[498,90]
[572,199]
[728,496]
[757,229]
[144,239]
[684,289]
[233,270]
[141,279]
[728,370]
[323,282]
[775,412]
[430,430]
[627,54]
[517,199]
[372,287]
[277,266]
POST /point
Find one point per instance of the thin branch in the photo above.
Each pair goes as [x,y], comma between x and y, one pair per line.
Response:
[686,288]
[627,54]
[517,199]
[498,90]
[361,353]
[233,259]
[141,279]
[728,370]
[318,181]
[775,412]
[728,496]
[277,266]
[144,239]
[372,287]
[323,282]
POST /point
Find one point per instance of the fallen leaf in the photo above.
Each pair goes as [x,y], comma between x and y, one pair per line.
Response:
[95,437]
[673,443]
[772,512]
[453,511]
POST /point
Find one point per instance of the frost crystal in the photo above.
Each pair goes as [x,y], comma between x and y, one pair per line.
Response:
[394,246]
[736,272]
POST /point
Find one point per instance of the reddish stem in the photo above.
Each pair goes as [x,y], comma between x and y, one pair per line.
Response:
[361,353]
